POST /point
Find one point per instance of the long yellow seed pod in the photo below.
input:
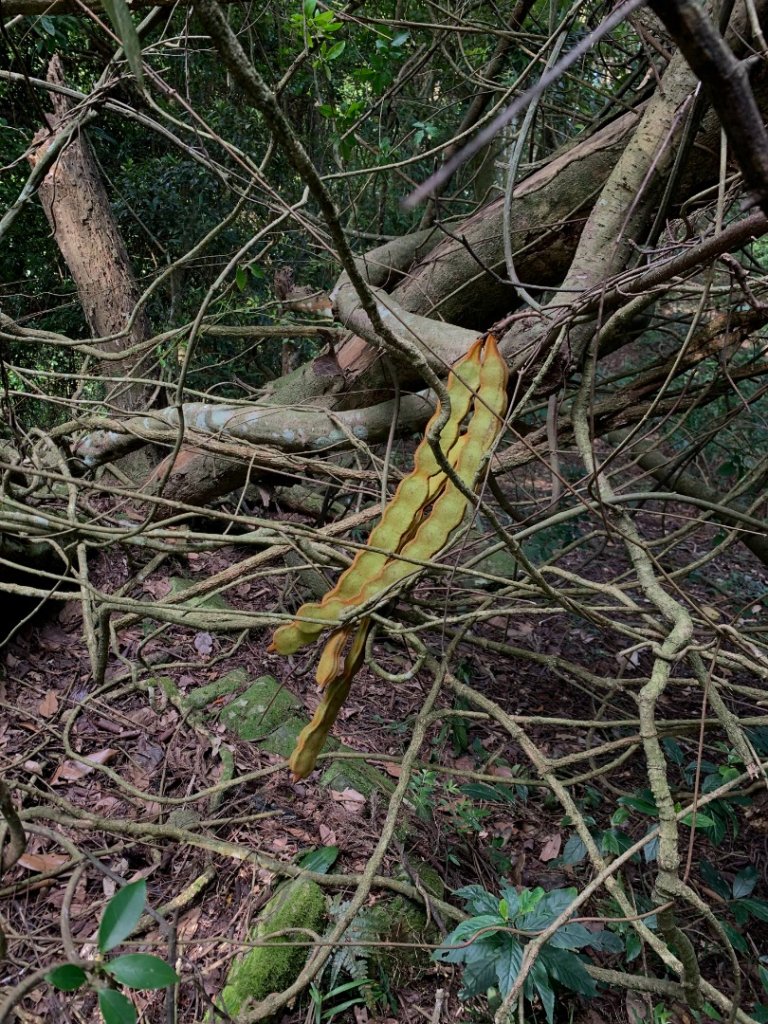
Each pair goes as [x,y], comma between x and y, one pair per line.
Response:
[450,507]
[399,518]
[407,535]
[313,736]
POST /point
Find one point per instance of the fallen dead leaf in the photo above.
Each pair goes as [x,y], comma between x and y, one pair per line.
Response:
[73,771]
[42,861]
[352,801]
[551,848]
[327,835]
[49,705]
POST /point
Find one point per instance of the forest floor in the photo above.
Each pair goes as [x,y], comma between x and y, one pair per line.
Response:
[144,751]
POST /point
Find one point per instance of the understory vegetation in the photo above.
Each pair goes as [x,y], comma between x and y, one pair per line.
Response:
[435,333]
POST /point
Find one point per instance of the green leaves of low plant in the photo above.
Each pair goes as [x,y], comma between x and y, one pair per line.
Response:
[67,978]
[121,915]
[490,945]
[321,860]
[134,970]
[116,1008]
[142,971]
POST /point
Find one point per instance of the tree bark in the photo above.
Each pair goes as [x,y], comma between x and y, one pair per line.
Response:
[84,227]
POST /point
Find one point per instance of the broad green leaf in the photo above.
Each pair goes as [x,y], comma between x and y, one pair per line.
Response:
[320,861]
[478,900]
[606,941]
[465,933]
[507,963]
[574,851]
[67,978]
[714,879]
[310,6]
[702,820]
[737,940]
[673,750]
[121,915]
[614,840]
[744,882]
[530,899]
[122,22]
[633,946]
[572,936]
[642,802]
[116,1008]
[479,969]
[336,50]
[241,278]
[141,970]
[539,976]
[757,908]
[512,899]
[568,969]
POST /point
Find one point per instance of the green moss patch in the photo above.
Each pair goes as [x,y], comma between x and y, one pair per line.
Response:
[259,710]
[299,904]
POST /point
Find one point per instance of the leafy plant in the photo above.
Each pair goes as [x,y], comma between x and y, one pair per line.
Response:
[320,1000]
[490,944]
[133,970]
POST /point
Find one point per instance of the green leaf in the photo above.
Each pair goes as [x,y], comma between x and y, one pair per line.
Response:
[122,22]
[642,802]
[757,908]
[320,861]
[633,946]
[508,962]
[606,941]
[336,50]
[702,820]
[530,899]
[465,933]
[744,882]
[141,970]
[713,878]
[478,900]
[737,940]
[568,969]
[67,978]
[574,851]
[673,750]
[121,915]
[116,1008]
[241,278]
[484,791]
[310,6]
[479,969]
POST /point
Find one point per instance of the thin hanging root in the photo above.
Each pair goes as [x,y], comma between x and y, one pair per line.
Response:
[413,494]
[312,738]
